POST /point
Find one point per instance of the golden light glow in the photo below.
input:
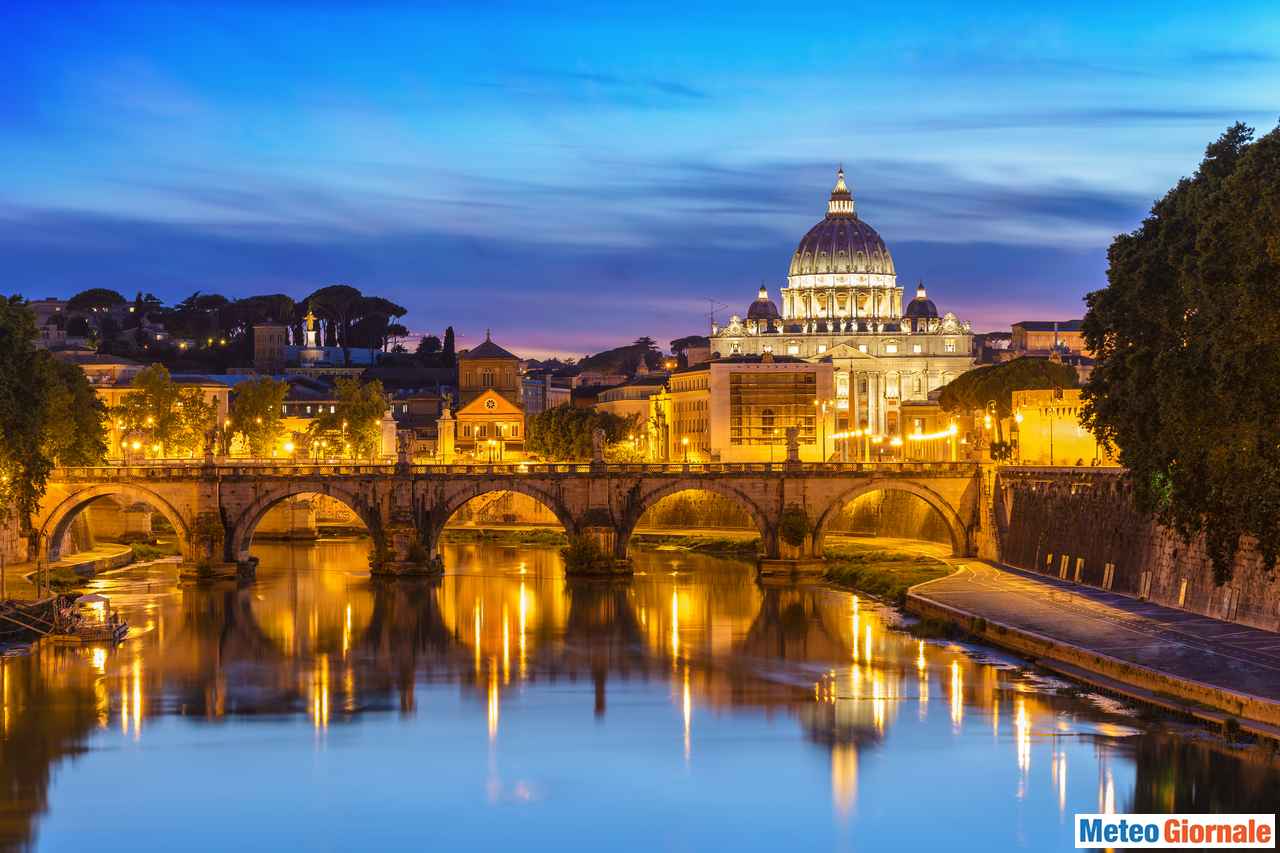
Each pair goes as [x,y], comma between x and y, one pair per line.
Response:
[1022,736]
[957,696]
[687,707]
[493,705]
[844,778]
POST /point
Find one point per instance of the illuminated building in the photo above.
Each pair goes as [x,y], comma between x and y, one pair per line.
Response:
[739,410]
[842,303]
[490,419]
[1050,431]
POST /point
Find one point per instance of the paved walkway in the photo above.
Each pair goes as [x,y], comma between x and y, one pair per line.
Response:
[1225,655]
[17,585]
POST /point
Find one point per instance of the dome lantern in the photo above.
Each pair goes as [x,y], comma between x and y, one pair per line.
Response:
[841,202]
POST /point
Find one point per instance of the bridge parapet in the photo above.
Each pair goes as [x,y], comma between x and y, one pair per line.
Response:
[182,470]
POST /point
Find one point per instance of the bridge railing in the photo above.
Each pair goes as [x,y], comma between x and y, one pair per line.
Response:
[234,468]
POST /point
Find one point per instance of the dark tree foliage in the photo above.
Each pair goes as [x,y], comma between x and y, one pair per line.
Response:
[1187,382]
[625,360]
[428,345]
[50,413]
[973,390]
[99,298]
[449,354]
[564,432]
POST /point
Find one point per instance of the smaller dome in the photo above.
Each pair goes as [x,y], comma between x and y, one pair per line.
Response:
[922,307]
[763,308]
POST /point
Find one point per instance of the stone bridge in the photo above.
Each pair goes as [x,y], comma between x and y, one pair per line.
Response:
[214,507]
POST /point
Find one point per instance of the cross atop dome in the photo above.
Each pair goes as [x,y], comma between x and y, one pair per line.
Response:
[841,203]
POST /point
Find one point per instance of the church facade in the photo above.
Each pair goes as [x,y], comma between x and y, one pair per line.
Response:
[842,303]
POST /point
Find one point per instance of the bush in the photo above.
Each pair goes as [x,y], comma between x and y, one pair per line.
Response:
[582,556]
[794,525]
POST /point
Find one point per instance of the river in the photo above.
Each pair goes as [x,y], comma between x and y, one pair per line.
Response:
[503,706]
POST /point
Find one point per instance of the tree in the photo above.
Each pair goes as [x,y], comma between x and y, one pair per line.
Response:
[50,413]
[167,418]
[1186,386]
[449,355]
[394,331]
[972,391]
[93,300]
[564,433]
[256,414]
[428,345]
[355,425]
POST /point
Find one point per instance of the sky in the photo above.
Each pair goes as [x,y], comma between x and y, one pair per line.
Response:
[575,176]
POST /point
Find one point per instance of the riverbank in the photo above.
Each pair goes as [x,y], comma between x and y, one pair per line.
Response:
[1219,672]
[70,573]
[727,543]
[884,573]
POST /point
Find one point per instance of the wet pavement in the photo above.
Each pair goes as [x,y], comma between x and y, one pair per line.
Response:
[1186,645]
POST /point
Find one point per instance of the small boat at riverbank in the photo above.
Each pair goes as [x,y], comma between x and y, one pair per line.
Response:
[27,621]
[90,619]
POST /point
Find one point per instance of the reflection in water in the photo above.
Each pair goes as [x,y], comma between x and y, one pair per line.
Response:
[472,690]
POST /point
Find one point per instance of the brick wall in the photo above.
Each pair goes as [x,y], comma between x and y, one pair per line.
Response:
[1088,517]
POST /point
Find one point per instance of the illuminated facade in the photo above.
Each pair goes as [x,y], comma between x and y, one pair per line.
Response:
[842,302]
[490,419]
[739,410]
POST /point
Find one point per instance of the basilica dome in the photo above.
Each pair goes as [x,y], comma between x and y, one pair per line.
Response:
[763,308]
[922,307]
[841,244]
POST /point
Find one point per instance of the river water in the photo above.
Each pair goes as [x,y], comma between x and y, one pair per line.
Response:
[690,709]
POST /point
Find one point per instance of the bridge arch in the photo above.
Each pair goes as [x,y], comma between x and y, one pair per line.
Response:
[54,528]
[650,498]
[457,498]
[244,526]
[955,525]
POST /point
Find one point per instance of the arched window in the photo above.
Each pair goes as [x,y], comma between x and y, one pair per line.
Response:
[486,378]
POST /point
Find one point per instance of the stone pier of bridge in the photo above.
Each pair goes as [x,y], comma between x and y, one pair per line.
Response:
[214,507]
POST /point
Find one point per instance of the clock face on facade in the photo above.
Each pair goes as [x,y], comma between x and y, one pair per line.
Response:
[491,404]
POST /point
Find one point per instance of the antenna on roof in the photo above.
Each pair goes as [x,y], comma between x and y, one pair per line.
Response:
[713,305]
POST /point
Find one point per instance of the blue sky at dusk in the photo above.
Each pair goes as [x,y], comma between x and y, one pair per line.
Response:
[575,176]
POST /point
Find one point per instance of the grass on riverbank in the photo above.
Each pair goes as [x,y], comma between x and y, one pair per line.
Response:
[144,551]
[697,543]
[885,574]
[501,536]
[700,543]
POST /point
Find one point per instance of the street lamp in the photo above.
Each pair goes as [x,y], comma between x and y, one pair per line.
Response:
[684,442]
[492,444]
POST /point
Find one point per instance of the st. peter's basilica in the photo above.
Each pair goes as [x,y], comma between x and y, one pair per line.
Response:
[842,302]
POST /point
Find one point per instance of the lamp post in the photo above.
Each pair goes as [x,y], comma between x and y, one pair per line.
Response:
[684,442]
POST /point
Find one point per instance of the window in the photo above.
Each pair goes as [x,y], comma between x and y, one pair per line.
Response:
[466,430]
[949,345]
[767,348]
[333,409]
[308,410]
[891,348]
[822,348]
[793,349]
[862,347]
[917,349]
[486,377]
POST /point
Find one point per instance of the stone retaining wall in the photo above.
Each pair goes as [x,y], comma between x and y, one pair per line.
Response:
[1087,518]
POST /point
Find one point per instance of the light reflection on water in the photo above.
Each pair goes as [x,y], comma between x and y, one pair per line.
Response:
[687,709]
